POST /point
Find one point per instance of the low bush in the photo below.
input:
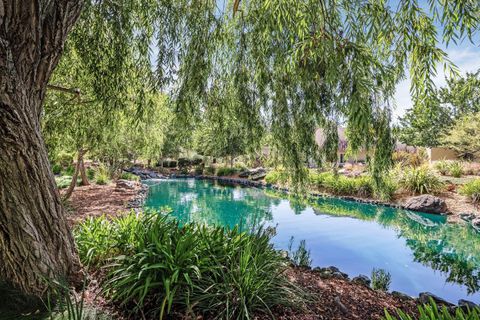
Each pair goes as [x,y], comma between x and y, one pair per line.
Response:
[276,177]
[408,159]
[472,190]
[129,176]
[433,312]
[342,185]
[226,171]
[156,267]
[63,181]
[56,169]
[90,173]
[69,170]
[64,158]
[301,256]
[420,180]
[455,169]
[381,280]
[102,176]
[209,171]
[198,170]
[442,167]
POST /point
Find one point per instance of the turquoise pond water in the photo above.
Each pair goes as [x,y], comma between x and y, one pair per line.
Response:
[422,252]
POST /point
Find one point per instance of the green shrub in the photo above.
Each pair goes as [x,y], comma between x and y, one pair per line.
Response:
[341,185]
[209,171]
[198,170]
[472,190]
[442,167]
[56,169]
[226,171]
[420,180]
[381,279]
[63,181]
[69,171]
[301,256]
[433,312]
[386,189]
[64,158]
[129,176]
[276,177]
[90,173]
[102,175]
[456,169]
[160,266]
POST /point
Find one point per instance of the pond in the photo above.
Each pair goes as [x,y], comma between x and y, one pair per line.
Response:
[422,252]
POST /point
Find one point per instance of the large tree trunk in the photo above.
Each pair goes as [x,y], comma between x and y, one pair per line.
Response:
[35,241]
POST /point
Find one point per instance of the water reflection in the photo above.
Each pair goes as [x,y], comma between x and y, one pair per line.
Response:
[355,237]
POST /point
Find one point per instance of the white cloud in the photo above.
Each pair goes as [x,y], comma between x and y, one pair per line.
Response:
[465,56]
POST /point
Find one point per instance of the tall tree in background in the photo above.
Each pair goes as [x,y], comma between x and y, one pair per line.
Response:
[424,126]
[463,136]
[297,63]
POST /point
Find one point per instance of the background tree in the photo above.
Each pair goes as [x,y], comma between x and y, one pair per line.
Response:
[463,136]
[297,63]
[424,126]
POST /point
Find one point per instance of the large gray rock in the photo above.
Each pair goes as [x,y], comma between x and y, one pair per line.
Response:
[424,298]
[476,224]
[427,203]
[363,280]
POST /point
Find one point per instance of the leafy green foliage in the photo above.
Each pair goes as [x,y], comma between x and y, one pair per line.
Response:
[102,176]
[460,136]
[226,171]
[64,181]
[56,169]
[342,185]
[419,180]
[129,176]
[456,169]
[381,279]
[159,266]
[433,312]
[442,167]
[301,256]
[472,190]
[209,171]
[424,126]
[279,177]
[90,173]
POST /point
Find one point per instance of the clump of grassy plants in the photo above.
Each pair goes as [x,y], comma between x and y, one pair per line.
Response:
[156,266]
[381,280]
[419,180]
[472,190]
[433,312]
[301,256]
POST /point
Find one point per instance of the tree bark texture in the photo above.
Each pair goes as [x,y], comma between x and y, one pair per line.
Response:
[35,241]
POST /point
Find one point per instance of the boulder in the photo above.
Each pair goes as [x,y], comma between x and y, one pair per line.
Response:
[424,298]
[125,184]
[467,216]
[476,224]
[401,295]
[362,280]
[331,272]
[465,304]
[426,203]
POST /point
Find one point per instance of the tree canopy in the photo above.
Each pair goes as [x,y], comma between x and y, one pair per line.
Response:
[295,65]
[460,97]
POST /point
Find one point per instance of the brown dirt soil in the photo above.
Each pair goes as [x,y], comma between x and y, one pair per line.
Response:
[329,298]
[96,200]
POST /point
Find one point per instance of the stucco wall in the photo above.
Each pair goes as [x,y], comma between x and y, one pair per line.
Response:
[437,154]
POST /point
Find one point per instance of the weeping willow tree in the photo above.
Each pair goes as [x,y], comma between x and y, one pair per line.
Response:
[294,64]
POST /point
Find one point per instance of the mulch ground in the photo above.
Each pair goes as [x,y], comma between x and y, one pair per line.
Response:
[96,200]
[330,298]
